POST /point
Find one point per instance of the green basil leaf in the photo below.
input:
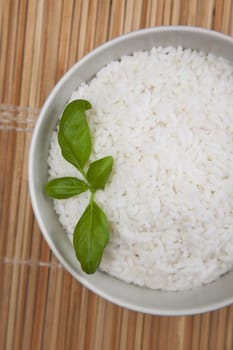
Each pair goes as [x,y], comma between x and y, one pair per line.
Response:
[74,135]
[91,235]
[65,187]
[99,171]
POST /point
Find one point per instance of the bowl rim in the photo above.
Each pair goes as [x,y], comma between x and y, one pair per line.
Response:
[32,188]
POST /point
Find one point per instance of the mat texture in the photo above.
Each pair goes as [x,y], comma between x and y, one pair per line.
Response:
[41,305]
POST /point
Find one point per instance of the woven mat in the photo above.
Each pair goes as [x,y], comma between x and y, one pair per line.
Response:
[41,305]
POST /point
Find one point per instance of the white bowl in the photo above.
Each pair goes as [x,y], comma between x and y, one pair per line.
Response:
[202,299]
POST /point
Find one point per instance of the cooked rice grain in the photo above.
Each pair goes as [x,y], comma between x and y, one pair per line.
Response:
[166,116]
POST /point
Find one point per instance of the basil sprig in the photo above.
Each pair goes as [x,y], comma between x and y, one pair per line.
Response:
[91,233]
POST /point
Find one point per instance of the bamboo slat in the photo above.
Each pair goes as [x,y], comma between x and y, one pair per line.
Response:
[41,305]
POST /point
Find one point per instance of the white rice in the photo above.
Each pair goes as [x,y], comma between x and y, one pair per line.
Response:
[166,116]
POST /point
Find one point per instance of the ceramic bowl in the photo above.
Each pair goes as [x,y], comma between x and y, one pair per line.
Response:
[202,299]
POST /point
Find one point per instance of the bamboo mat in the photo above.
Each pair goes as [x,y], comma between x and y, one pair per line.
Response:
[41,305]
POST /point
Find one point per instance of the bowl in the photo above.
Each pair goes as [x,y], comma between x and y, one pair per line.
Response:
[202,299]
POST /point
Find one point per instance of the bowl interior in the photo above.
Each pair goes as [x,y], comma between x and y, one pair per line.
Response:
[206,298]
